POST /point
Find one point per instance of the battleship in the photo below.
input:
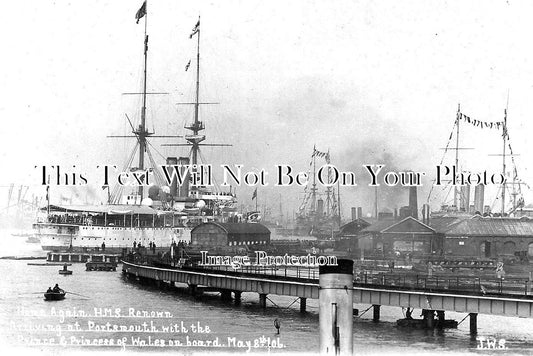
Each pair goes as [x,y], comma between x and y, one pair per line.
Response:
[319,212]
[461,205]
[165,216]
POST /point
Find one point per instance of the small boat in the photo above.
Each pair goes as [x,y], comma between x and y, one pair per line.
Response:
[65,271]
[55,295]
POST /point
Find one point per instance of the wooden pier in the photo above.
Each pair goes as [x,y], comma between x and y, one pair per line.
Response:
[101,266]
[82,257]
[433,299]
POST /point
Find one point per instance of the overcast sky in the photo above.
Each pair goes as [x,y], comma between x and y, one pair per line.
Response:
[373,82]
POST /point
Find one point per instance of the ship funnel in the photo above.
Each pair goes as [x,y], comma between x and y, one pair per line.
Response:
[183,190]
[354,213]
[479,197]
[320,208]
[172,161]
[465,198]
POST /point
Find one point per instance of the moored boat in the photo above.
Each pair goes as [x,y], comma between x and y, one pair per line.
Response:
[422,323]
[65,271]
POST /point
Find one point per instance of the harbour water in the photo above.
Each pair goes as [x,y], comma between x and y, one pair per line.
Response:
[99,303]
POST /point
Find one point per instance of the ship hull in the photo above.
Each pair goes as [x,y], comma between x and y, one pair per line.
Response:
[58,237]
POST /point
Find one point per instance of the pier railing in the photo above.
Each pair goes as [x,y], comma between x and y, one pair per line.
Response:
[461,284]
[468,285]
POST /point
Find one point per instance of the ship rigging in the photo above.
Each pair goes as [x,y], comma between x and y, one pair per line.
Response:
[461,195]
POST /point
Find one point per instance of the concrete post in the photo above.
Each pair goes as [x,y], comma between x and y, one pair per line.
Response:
[303,304]
[473,323]
[263,300]
[336,308]
[376,309]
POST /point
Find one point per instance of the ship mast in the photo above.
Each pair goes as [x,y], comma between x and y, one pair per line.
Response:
[194,140]
[503,159]
[141,132]
[455,190]
[314,189]
[197,125]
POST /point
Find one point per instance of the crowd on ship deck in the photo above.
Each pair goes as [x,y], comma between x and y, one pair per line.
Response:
[129,221]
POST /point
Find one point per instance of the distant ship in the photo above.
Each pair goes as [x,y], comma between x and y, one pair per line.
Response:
[461,205]
[318,214]
[20,211]
[166,216]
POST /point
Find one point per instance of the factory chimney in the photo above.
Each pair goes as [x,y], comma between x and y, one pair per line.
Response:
[426,212]
[413,202]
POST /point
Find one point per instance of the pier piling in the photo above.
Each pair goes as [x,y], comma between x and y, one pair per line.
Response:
[376,309]
[263,300]
[441,317]
[225,294]
[430,319]
[237,295]
[473,323]
[303,304]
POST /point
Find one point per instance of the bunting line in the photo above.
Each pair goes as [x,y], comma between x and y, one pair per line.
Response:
[479,123]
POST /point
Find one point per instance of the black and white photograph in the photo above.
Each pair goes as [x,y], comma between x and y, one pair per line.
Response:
[277,177]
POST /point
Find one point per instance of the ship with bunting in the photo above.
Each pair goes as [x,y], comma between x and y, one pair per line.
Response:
[319,211]
[159,215]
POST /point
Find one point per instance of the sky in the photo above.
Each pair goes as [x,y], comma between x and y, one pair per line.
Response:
[372,82]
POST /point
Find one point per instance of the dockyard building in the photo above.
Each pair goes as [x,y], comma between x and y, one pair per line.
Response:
[487,237]
[349,233]
[215,234]
[407,236]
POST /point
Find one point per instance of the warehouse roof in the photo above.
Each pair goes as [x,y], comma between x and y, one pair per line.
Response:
[480,226]
[407,225]
[443,224]
[379,225]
